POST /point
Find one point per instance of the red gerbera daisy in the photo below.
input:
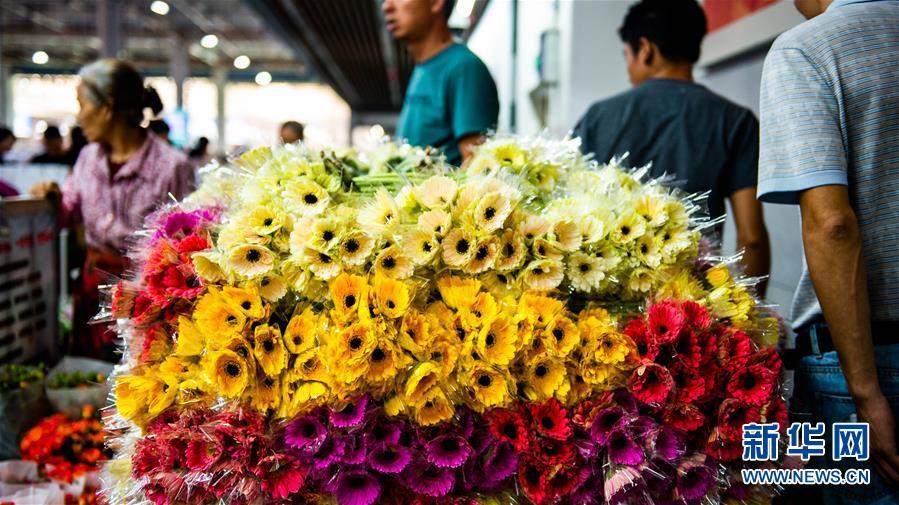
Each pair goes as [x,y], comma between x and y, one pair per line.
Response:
[585,412]
[768,357]
[532,479]
[192,243]
[690,384]
[636,328]
[753,384]
[651,383]
[646,347]
[723,450]
[732,415]
[182,282]
[697,315]
[775,411]
[666,320]
[551,419]
[555,452]
[688,350]
[510,426]
[562,481]
[734,350]
[684,416]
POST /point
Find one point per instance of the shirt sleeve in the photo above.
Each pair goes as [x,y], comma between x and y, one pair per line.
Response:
[580,131]
[744,166]
[802,143]
[70,210]
[473,98]
[185,180]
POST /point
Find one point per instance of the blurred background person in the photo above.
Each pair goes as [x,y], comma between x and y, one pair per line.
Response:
[682,128]
[54,152]
[161,129]
[451,102]
[118,180]
[291,131]
[199,153]
[77,142]
[7,140]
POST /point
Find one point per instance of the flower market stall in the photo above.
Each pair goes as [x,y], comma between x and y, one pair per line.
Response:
[352,328]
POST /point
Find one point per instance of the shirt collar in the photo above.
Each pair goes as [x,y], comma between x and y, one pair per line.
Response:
[134,163]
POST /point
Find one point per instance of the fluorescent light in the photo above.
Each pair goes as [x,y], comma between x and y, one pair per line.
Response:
[242,62]
[40,58]
[159,7]
[209,41]
[464,7]
[263,78]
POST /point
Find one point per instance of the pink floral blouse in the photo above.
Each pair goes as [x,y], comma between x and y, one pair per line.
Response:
[113,206]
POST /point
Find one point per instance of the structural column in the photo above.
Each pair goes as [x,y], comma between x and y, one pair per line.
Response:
[6,110]
[179,67]
[220,76]
[109,27]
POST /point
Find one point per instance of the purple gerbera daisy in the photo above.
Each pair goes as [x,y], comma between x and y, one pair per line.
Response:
[623,450]
[660,477]
[666,443]
[330,452]
[500,463]
[180,223]
[429,480]
[383,431]
[357,488]
[694,479]
[448,451]
[606,420]
[351,415]
[305,434]
[389,458]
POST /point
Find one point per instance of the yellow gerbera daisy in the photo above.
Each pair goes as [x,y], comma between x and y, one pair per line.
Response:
[628,227]
[546,249]
[458,247]
[161,395]
[540,309]
[613,348]
[309,366]
[355,248]
[491,211]
[392,297]
[267,393]
[228,373]
[458,293]
[421,246]
[269,349]
[353,345]
[562,336]
[485,254]
[421,379]
[262,221]
[217,319]
[437,192]
[324,266]
[381,214]
[190,341]
[592,229]
[498,341]
[511,251]
[247,299]
[305,197]
[435,221]
[488,385]
[648,251]
[347,292]
[250,260]
[415,335]
[481,312]
[391,262]
[325,234]
[208,265]
[271,287]
[652,209]
[546,375]
[384,360]
[131,396]
[435,409]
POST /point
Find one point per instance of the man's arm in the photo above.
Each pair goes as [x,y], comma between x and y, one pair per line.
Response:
[833,249]
[468,143]
[752,236]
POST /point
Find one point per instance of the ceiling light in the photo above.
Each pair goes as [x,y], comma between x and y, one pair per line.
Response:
[159,7]
[242,62]
[263,78]
[209,41]
[40,57]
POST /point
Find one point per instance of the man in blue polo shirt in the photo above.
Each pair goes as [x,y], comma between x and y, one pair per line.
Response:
[451,102]
[830,143]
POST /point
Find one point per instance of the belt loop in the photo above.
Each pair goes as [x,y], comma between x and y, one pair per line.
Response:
[813,340]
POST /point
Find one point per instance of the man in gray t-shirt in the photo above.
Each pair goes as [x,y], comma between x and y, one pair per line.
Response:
[707,142]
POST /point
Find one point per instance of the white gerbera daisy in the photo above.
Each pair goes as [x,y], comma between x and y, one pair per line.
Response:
[485,253]
[544,248]
[648,251]
[652,209]
[628,227]
[592,229]
[491,211]
[543,275]
[391,262]
[250,260]
[421,246]
[437,192]
[458,247]
[585,272]
[305,197]
[568,235]
[355,248]
[325,234]
[272,287]
[511,251]
[435,221]
[381,215]
[533,227]
[323,265]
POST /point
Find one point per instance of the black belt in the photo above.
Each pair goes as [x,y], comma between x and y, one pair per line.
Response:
[883,332]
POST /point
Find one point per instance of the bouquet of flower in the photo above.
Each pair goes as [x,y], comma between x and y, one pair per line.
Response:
[537,327]
[66,448]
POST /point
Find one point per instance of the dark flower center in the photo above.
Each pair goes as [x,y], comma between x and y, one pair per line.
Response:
[310,199]
[482,253]
[538,271]
[324,258]
[508,250]
[389,455]
[356,482]
[192,281]
[351,245]
[268,345]
[265,282]
[378,355]
[642,348]
[348,410]
[462,246]
[489,341]
[328,235]
[510,430]
[749,381]
[449,444]
[349,301]
[391,304]
[232,320]
[540,371]
[426,247]
[267,222]
[558,333]
[547,422]
[490,212]
[584,267]
[297,340]
[309,430]
[246,305]
[253,256]
[644,248]
[242,351]
[269,382]
[232,369]
[625,230]
[355,343]
[388,262]
[485,381]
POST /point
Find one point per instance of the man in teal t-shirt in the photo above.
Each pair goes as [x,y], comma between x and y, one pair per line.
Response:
[451,101]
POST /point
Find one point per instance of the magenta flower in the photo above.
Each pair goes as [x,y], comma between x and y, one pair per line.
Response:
[351,415]
[389,458]
[448,451]
[623,450]
[428,480]
[694,480]
[606,420]
[357,487]
[305,434]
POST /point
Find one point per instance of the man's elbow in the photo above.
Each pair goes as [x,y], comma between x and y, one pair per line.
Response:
[833,227]
[755,238]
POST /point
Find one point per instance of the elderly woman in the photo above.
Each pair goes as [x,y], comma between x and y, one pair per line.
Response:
[121,177]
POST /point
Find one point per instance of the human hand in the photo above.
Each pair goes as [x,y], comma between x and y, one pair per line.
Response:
[882,426]
[45,189]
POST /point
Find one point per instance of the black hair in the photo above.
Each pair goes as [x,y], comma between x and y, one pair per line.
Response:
[199,149]
[295,126]
[448,6]
[119,85]
[5,133]
[159,127]
[677,27]
[52,132]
